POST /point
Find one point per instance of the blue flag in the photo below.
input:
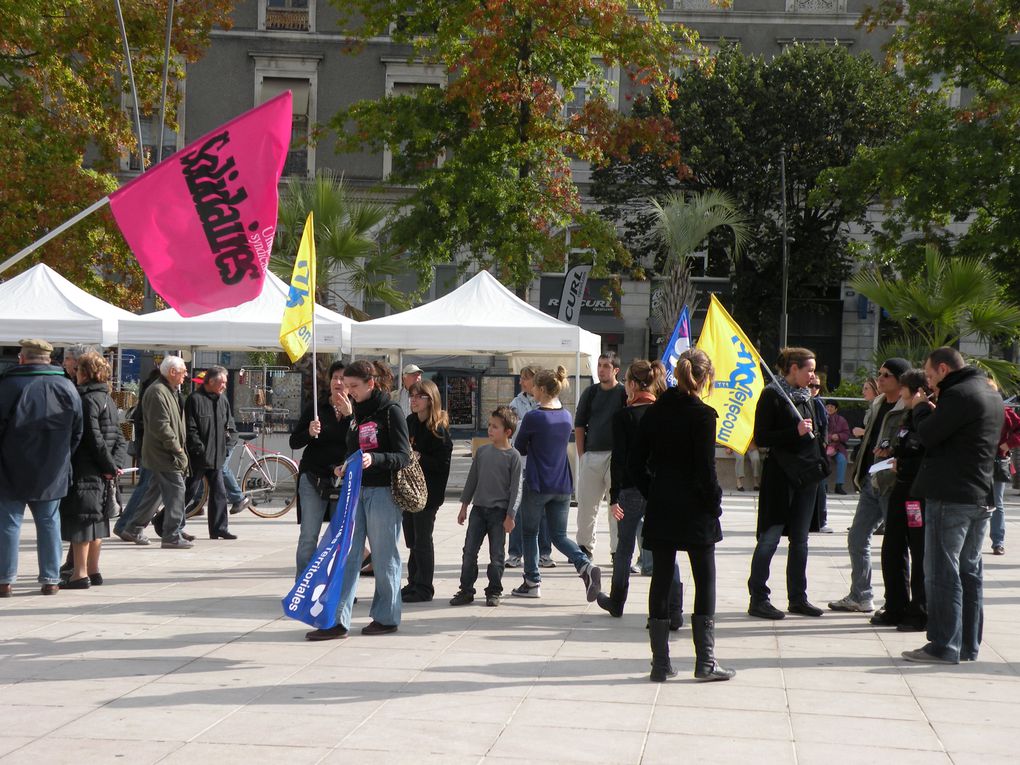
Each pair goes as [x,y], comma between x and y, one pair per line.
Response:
[314,599]
[678,343]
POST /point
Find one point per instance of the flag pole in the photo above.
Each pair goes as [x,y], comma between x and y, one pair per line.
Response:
[55,232]
[796,411]
[314,279]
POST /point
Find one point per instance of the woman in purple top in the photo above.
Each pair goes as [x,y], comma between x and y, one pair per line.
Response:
[839,434]
[543,438]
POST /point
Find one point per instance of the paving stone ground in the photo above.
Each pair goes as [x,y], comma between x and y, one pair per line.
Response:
[184,657]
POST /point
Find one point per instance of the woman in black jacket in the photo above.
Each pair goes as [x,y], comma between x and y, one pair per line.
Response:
[645,382]
[429,433]
[324,441]
[99,458]
[379,429]
[673,465]
[796,463]
[903,543]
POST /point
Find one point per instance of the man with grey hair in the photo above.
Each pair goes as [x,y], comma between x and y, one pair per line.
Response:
[164,454]
[40,427]
[208,421]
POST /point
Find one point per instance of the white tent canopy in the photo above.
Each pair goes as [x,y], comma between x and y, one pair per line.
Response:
[481,317]
[250,326]
[40,303]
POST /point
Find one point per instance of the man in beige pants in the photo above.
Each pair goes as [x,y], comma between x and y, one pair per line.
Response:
[593,433]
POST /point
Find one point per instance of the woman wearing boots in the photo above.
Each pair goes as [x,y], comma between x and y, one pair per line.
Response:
[673,465]
[645,382]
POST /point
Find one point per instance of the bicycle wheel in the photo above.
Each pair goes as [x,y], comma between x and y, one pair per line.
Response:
[271,482]
[196,507]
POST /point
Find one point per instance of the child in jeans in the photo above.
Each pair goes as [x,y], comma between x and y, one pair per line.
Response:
[494,487]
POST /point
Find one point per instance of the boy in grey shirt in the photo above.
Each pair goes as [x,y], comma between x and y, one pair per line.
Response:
[494,487]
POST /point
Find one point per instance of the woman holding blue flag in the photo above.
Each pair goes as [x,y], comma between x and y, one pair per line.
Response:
[379,430]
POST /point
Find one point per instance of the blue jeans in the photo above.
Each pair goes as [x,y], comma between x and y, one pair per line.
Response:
[633,506]
[46,514]
[313,513]
[953,572]
[378,518]
[516,547]
[133,508]
[840,459]
[234,494]
[998,525]
[554,508]
[871,509]
[802,503]
[484,522]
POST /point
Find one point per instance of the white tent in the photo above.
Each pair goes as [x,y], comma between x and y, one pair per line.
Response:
[40,303]
[250,326]
[482,317]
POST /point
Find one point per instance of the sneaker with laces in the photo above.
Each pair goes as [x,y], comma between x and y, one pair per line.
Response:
[462,598]
[492,600]
[514,561]
[591,575]
[998,549]
[849,604]
[527,590]
[921,656]
[546,563]
[240,506]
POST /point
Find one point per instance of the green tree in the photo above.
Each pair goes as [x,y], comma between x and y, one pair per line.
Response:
[682,223]
[944,301]
[733,115]
[349,243]
[506,138]
[61,66]
[951,178]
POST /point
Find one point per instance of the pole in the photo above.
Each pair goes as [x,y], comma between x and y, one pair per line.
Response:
[315,374]
[784,317]
[55,232]
[577,376]
[131,80]
[796,411]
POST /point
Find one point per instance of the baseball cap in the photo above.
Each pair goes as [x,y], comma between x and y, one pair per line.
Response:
[411,369]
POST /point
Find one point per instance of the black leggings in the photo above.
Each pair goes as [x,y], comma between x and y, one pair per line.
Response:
[703,569]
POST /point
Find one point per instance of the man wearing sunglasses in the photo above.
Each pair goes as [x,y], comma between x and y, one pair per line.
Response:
[871,505]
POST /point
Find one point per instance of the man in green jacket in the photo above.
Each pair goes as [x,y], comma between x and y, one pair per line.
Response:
[164,453]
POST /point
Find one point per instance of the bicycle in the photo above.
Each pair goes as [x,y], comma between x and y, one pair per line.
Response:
[270,481]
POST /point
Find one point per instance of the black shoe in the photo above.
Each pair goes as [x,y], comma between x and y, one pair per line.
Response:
[880,531]
[883,618]
[840,489]
[189,537]
[241,506]
[462,599]
[330,633]
[76,584]
[492,600]
[658,637]
[912,624]
[157,524]
[220,535]
[607,604]
[96,579]
[706,668]
[415,597]
[805,609]
[378,628]
[765,610]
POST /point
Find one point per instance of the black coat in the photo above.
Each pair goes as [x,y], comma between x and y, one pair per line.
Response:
[102,451]
[379,428]
[673,465]
[207,422]
[775,428]
[434,455]
[961,439]
[329,450]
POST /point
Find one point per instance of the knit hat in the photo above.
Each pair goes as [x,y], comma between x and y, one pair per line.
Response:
[896,365]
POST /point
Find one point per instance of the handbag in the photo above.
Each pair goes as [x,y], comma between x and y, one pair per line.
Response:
[1000,471]
[802,468]
[410,491]
[111,505]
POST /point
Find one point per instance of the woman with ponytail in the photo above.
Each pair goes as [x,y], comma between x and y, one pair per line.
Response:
[543,438]
[673,465]
[796,463]
[645,382]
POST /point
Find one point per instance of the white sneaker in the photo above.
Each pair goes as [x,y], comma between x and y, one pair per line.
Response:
[849,604]
[527,590]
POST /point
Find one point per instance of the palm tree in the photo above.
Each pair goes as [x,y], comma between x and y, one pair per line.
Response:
[682,223]
[347,242]
[946,300]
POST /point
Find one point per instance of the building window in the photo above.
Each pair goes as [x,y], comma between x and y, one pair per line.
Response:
[406,79]
[698,5]
[816,6]
[280,72]
[445,280]
[287,15]
[150,141]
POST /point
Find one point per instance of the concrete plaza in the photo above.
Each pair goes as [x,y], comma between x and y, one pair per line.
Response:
[184,657]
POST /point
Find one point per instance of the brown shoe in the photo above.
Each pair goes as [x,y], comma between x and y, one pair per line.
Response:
[50,589]
[332,633]
[5,591]
[378,628]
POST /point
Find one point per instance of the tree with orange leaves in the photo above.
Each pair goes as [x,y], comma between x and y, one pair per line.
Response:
[488,157]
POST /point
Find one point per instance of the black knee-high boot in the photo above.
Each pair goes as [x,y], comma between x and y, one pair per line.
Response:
[658,636]
[676,606]
[705,666]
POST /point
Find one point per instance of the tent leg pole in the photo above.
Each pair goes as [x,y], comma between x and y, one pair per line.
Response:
[577,381]
[120,367]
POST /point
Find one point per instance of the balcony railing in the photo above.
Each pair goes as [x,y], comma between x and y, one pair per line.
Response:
[287,19]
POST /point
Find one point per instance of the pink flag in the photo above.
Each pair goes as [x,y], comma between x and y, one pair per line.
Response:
[201,223]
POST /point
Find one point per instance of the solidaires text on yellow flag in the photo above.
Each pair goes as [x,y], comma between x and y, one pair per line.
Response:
[738,377]
[296,328]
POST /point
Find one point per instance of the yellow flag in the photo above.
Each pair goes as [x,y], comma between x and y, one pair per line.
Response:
[738,377]
[296,329]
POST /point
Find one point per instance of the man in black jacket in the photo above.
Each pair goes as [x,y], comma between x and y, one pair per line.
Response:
[960,436]
[207,419]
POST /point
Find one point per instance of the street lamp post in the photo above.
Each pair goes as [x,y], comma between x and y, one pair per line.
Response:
[784,317]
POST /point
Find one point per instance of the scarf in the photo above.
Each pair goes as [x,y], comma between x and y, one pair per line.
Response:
[641,397]
[368,407]
[797,395]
